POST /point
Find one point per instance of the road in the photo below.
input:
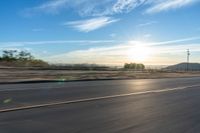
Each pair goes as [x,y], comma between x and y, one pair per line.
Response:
[122,106]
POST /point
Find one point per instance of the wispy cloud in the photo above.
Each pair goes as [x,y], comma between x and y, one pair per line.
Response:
[86,7]
[174,42]
[147,23]
[91,24]
[164,5]
[126,5]
[100,55]
[102,10]
[51,6]
[107,7]
[118,54]
[99,42]
[57,42]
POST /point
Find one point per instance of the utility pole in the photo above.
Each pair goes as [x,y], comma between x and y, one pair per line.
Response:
[188,59]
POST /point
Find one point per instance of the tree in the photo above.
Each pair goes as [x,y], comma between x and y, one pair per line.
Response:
[21,59]
[24,55]
[134,66]
[126,66]
[140,67]
[9,55]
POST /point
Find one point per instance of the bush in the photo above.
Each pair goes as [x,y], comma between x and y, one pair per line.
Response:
[134,66]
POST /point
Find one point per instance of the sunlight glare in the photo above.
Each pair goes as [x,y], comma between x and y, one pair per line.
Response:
[139,52]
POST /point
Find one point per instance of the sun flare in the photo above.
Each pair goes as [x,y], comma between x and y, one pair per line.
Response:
[139,52]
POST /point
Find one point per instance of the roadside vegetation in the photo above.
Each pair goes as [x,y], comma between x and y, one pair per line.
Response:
[16,58]
[14,63]
[134,66]
[94,67]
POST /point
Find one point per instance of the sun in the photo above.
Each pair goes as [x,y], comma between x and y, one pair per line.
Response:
[139,52]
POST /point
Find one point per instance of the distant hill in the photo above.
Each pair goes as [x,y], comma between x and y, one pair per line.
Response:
[183,67]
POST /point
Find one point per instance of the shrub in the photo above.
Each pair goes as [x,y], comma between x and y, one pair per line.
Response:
[134,66]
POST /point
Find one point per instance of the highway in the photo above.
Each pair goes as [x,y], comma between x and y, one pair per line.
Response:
[113,106]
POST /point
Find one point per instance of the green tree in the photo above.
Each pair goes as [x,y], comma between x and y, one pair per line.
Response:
[134,66]
[126,66]
[21,59]
[9,55]
[24,55]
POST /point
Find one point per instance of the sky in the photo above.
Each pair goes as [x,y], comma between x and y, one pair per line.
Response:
[110,32]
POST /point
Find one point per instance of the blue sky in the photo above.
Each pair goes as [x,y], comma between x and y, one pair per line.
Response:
[103,32]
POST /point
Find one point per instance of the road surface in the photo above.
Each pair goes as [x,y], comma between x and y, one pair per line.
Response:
[115,106]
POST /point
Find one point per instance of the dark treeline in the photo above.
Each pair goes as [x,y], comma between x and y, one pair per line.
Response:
[20,58]
[134,66]
[81,67]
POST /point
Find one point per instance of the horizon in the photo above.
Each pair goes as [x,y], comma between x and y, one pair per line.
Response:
[105,32]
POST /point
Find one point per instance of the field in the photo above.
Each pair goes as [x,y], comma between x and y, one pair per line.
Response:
[21,74]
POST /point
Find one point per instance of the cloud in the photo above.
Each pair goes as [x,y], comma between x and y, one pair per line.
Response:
[106,7]
[91,24]
[164,5]
[126,5]
[86,7]
[100,55]
[57,42]
[52,7]
[114,53]
[118,54]
[174,42]
[94,42]
[147,23]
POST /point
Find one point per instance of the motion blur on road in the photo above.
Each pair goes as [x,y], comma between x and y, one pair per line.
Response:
[146,105]
[99,66]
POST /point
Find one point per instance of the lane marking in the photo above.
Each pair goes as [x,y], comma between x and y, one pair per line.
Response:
[95,99]
[25,89]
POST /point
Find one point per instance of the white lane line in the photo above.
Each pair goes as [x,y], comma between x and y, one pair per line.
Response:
[95,98]
[26,89]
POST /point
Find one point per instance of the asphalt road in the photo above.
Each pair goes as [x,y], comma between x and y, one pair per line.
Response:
[123,106]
